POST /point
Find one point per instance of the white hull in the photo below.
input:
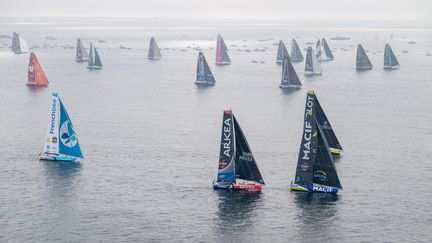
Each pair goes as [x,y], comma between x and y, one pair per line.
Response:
[391,67]
[154,58]
[308,73]
[94,67]
[289,86]
[223,63]
[363,68]
[204,83]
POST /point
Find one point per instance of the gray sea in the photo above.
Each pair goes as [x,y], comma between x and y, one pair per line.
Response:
[151,138]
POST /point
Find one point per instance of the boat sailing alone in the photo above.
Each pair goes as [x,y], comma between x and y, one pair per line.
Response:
[18,44]
[282,52]
[290,78]
[324,52]
[154,51]
[204,74]
[315,166]
[312,66]
[36,75]
[237,167]
[94,61]
[62,142]
[296,54]
[390,61]
[362,60]
[222,57]
[81,53]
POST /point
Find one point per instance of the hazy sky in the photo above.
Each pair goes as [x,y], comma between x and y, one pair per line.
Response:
[352,9]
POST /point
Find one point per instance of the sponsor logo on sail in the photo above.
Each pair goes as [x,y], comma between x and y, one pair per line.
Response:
[227,137]
[53,116]
[67,137]
[320,175]
[307,135]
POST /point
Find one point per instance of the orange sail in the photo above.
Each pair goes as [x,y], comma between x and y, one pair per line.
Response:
[36,76]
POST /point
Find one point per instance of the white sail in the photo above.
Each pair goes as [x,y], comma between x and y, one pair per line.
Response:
[23,45]
[52,141]
[312,66]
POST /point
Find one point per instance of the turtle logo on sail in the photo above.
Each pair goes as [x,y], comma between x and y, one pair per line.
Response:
[67,136]
[320,175]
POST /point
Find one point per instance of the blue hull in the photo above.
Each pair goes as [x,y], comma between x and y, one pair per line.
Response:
[223,186]
[319,189]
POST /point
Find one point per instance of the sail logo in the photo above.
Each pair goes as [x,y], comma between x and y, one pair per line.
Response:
[307,135]
[227,137]
[246,156]
[31,68]
[320,175]
[67,136]
[53,116]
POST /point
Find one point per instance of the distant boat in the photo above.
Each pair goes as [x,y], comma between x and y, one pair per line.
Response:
[18,44]
[290,78]
[154,51]
[36,75]
[81,53]
[338,37]
[94,61]
[204,74]
[312,66]
[296,54]
[411,42]
[428,54]
[390,61]
[282,51]
[323,51]
[222,57]
[362,60]
[315,171]
[62,142]
[237,166]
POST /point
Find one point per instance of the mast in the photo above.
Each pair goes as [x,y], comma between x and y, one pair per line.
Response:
[362,60]
[296,55]
[226,169]
[289,75]
[245,165]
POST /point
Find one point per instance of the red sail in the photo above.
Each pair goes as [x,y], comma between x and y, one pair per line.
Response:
[36,76]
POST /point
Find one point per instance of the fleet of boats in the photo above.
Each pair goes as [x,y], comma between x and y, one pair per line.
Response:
[238,169]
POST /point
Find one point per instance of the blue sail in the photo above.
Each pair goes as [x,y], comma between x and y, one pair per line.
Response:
[69,145]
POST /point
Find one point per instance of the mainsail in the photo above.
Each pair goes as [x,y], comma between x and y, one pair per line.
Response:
[289,76]
[282,51]
[327,54]
[94,61]
[154,51]
[245,164]
[204,74]
[81,53]
[226,170]
[390,61]
[222,52]
[62,142]
[36,75]
[362,60]
[296,54]
[312,66]
[18,44]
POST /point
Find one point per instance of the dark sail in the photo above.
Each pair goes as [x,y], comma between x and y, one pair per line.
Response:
[282,51]
[362,60]
[324,171]
[226,171]
[390,60]
[245,164]
[90,60]
[308,144]
[327,50]
[16,43]
[97,61]
[296,55]
[309,64]
[78,56]
[289,75]
[222,51]
[154,52]
[327,129]
[203,70]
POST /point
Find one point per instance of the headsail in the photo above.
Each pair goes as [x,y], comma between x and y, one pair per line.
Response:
[312,66]
[97,61]
[81,53]
[154,51]
[327,54]
[362,60]
[245,164]
[94,61]
[226,170]
[289,75]
[222,51]
[390,60]
[296,54]
[326,128]
[204,74]
[36,75]
[282,51]
[18,44]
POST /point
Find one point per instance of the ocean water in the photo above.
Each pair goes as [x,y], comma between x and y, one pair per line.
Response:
[150,137]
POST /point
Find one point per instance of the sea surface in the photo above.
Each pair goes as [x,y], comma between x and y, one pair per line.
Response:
[151,138]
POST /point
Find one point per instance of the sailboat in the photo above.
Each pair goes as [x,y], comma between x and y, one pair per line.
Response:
[282,52]
[289,76]
[204,74]
[323,51]
[362,60]
[62,142]
[312,66]
[18,44]
[238,169]
[81,53]
[36,75]
[94,61]
[222,57]
[390,61]
[296,54]
[154,51]
[315,171]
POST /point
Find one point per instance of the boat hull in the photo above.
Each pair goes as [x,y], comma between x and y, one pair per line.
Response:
[391,68]
[81,60]
[94,67]
[223,63]
[58,158]
[363,68]
[204,83]
[308,73]
[289,86]
[36,85]
[314,189]
[236,187]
